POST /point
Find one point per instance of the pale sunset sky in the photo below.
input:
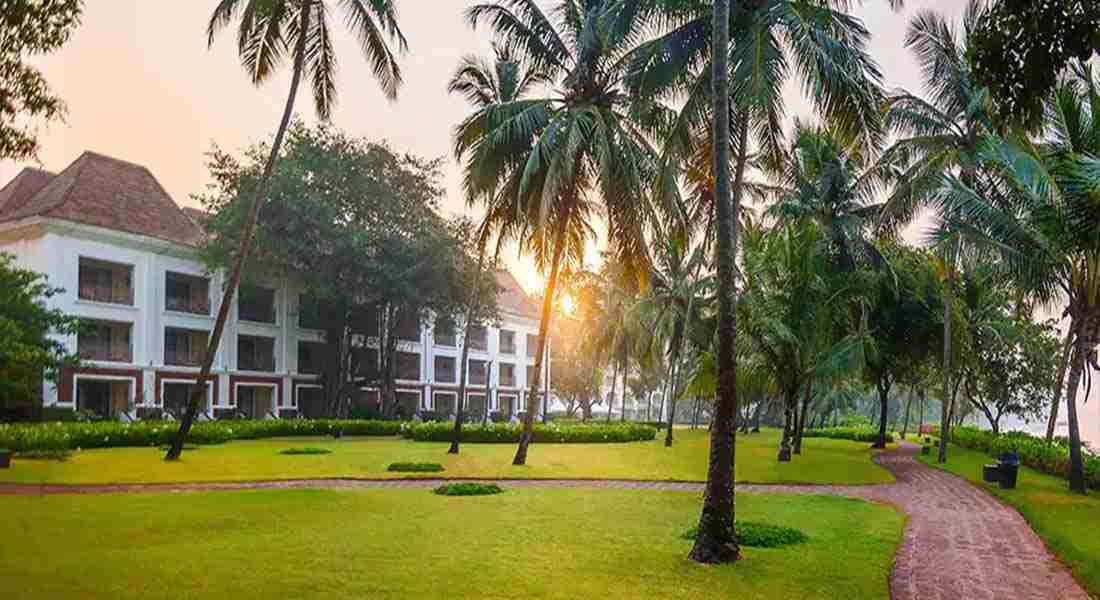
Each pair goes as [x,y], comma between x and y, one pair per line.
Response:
[141,85]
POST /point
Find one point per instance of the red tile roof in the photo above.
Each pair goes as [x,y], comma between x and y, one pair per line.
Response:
[106,192]
[513,299]
[26,184]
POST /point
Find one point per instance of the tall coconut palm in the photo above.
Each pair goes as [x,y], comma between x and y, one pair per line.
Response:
[485,85]
[1045,224]
[716,540]
[269,31]
[940,136]
[560,156]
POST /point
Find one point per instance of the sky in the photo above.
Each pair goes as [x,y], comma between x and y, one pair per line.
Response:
[141,85]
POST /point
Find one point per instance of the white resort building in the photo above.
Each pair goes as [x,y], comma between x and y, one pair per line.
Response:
[125,253]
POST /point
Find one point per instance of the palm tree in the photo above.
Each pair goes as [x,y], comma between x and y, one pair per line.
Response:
[1042,220]
[940,136]
[716,540]
[485,85]
[269,30]
[551,161]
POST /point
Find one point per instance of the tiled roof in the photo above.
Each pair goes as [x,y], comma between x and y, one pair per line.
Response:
[111,193]
[513,299]
[26,184]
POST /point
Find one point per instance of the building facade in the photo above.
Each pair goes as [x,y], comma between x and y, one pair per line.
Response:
[107,233]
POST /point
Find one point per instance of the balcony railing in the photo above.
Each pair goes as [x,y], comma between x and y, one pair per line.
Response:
[182,359]
[263,363]
[106,294]
[187,305]
[101,352]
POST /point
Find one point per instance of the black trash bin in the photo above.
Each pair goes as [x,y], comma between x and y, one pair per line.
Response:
[991,473]
[1010,469]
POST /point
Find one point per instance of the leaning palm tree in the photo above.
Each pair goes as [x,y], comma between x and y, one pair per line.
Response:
[939,136]
[268,32]
[546,164]
[485,85]
[1043,220]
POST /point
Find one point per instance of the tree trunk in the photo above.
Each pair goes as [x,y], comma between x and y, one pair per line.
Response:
[674,388]
[1077,364]
[475,306]
[198,391]
[908,406]
[759,414]
[922,399]
[611,398]
[789,401]
[544,328]
[802,417]
[1067,350]
[716,541]
[884,409]
[948,393]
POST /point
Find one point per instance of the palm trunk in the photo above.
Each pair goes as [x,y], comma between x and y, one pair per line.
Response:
[716,541]
[884,409]
[1067,350]
[674,388]
[614,383]
[544,328]
[198,391]
[1076,459]
[789,400]
[908,406]
[948,394]
[802,417]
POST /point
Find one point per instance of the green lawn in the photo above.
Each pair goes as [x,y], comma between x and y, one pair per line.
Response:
[822,461]
[1065,521]
[410,543]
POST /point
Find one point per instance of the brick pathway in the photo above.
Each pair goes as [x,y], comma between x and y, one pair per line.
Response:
[960,542]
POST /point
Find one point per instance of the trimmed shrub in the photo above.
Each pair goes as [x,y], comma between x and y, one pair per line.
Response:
[760,535]
[415,467]
[307,451]
[58,455]
[112,434]
[1052,459]
[857,434]
[468,489]
[508,433]
[186,447]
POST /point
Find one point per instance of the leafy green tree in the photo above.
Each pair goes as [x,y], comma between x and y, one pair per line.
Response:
[355,224]
[29,28]
[29,348]
[1020,48]
[268,31]
[544,165]
[1044,228]
[904,304]
[1009,363]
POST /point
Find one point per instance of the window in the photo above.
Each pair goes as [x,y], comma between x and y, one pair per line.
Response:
[507,375]
[408,327]
[101,281]
[186,293]
[506,404]
[183,347]
[310,355]
[445,369]
[479,338]
[532,345]
[408,402]
[104,340]
[309,313]
[444,332]
[256,305]
[507,342]
[479,374]
[444,402]
[367,359]
[408,366]
[475,405]
[255,353]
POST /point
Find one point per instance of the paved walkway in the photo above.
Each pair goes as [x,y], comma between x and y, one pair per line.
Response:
[960,542]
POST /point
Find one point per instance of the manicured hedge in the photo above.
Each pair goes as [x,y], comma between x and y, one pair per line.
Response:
[110,434]
[760,535]
[468,489]
[858,434]
[1034,452]
[508,433]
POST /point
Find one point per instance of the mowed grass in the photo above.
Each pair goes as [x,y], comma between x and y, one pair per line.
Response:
[1066,522]
[822,461]
[410,543]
